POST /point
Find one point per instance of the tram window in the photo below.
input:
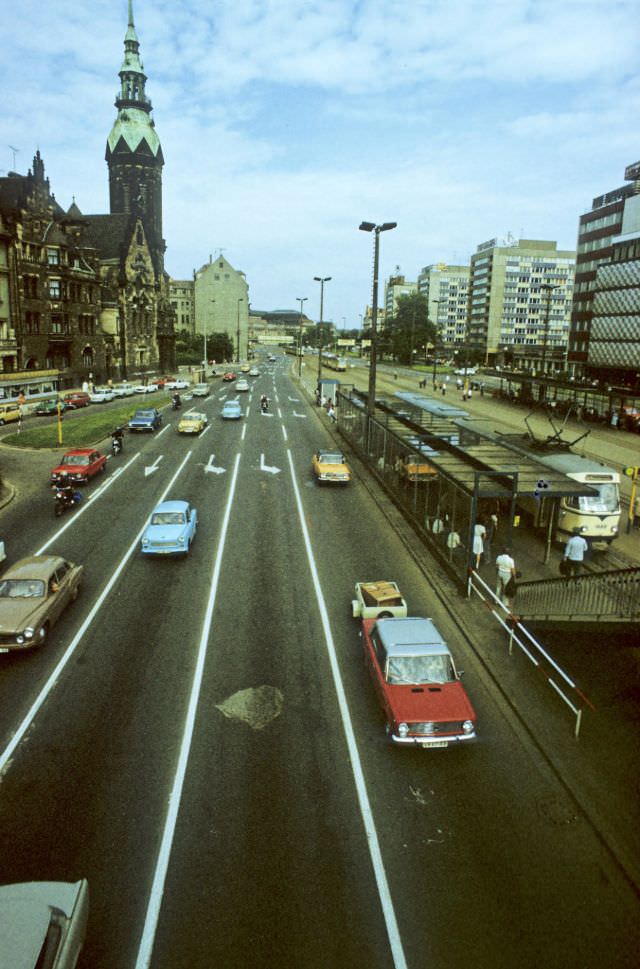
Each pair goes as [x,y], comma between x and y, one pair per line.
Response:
[607,500]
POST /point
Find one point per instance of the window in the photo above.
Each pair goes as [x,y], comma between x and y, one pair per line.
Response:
[53,257]
[54,288]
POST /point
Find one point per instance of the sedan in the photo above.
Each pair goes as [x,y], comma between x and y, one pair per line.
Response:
[231,410]
[242,385]
[101,395]
[177,384]
[417,684]
[228,376]
[171,529]
[331,466]
[200,390]
[145,389]
[192,423]
[254,372]
[49,408]
[145,419]
[79,465]
[33,594]
[43,923]
[77,399]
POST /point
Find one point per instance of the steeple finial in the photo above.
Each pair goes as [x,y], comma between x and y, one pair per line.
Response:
[131,23]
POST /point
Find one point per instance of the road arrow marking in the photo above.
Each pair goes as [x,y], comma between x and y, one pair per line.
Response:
[154,466]
[212,467]
[266,467]
[299,415]
[294,400]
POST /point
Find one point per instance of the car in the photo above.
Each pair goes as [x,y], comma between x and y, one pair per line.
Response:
[192,423]
[76,399]
[417,684]
[79,465]
[330,466]
[231,410]
[145,389]
[200,390]
[171,529]
[123,390]
[245,368]
[465,372]
[378,600]
[33,593]
[228,376]
[43,923]
[254,372]
[9,413]
[49,408]
[177,384]
[411,468]
[271,358]
[242,385]
[145,419]
[101,395]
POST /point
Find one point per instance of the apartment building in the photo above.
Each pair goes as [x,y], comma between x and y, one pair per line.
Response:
[395,287]
[446,290]
[221,303]
[181,295]
[520,301]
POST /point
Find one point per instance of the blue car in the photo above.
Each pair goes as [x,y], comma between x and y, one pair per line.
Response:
[231,410]
[171,529]
[146,419]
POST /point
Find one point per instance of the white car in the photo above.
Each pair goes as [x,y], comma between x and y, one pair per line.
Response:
[100,395]
[43,923]
[177,385]
[465,372]
[201,390]
[254,372]
[242,385]
[145,389]
[123,390]
[378,600]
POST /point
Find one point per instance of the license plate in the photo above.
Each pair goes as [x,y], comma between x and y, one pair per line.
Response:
[438,743]
[3,649]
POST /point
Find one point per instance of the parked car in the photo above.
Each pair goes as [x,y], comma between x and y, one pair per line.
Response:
[192,423]
[465,372]
[79,465]
[177,384]
[145,389]
[123,390]
[101,395]
[200,390]
[76,399]
[171,529]
[145,419]
[231,410]
[228,376]
[33,593]
[49,408]
[417,683]
[378,600]
[43,924]
[9,413]
[330,466]
[242,385]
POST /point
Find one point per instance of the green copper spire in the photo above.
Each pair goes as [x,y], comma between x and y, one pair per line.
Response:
[134,123]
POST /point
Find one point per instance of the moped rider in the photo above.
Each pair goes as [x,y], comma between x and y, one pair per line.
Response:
[264,403]
[117,440]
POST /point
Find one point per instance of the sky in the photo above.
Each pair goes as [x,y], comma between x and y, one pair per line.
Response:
[286,123]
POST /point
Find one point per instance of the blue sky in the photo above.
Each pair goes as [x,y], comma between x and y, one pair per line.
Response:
[284,124]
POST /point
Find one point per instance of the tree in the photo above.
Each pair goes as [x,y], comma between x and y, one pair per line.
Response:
[409,330]
[190,347]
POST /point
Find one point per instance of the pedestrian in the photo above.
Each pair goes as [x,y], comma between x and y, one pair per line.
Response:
[395,374]
[453,542]
[479,533]
[437,526]
[636,511]
[506,567]
[331,412]
[574,552]
[482,389]
[469,394]
[443,389]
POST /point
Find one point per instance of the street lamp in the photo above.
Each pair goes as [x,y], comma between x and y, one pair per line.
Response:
[322,280]
[376,229]
[204,333]
[240,300]
[435,339]
[549,287]
[302,300]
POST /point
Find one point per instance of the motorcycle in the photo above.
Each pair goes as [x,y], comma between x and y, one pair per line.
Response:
[176,403]
[65,498]
[264,405]
[116,443]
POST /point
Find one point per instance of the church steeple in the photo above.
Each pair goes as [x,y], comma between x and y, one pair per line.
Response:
[134,154]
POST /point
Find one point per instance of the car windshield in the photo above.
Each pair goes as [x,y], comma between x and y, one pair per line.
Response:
[168,518]
[76,459]
[143,413]
[21,588]
[420,669]
[607,499]
[332,457]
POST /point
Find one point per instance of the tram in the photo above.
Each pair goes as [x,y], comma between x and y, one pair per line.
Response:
[333,361]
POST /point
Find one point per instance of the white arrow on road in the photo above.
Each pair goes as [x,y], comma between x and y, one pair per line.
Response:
[154,466]
[294,400]
[299,415]
[266,467]
[213,467]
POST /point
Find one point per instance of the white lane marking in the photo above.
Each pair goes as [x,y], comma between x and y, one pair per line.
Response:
[214,467]
[299,415]
[165,428]
[157,889]
[154,467]
[284,432]
[279,413]
[87,504]
[69,651]
[266,467]
[393,932]
[244,431]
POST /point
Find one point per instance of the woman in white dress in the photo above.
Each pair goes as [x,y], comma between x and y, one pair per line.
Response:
[479,535]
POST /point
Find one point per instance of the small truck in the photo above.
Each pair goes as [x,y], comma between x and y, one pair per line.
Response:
[378,600]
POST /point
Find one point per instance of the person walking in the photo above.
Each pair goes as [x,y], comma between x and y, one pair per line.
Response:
[479,535]
[506,567]
[574,552]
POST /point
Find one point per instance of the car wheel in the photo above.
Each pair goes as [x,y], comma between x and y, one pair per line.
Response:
[385,615]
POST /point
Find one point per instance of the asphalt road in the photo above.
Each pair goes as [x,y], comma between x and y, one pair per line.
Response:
[212,758]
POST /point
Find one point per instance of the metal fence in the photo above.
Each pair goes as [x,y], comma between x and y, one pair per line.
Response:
[597,597]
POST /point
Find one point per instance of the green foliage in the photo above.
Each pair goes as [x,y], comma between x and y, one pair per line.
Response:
[405,335]
[190,348]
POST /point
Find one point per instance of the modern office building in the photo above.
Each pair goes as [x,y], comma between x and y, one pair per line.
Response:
[395,287]
[446,289]
[221,303]
[520,304]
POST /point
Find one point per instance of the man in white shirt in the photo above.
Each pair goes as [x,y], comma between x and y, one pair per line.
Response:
[506,567]
[574,552]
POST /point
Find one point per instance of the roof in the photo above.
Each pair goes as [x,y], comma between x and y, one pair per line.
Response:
[107,233]
[404,636]
[171,505]
[34,567]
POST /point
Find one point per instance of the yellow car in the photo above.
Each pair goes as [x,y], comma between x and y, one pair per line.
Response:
[192,423]
[331,466]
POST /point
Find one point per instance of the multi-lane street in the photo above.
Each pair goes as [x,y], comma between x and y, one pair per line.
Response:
[200,741]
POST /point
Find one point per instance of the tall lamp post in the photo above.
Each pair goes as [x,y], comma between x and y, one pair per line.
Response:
[549,288]
[205,359]
[322,280]
[302,300]
[376,229]
[435,338]
[240,300]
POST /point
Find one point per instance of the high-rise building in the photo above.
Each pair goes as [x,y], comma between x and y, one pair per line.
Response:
[520,304]
[446,290]
[395,287]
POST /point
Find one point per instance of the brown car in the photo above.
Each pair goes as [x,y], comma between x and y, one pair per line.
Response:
[33,594]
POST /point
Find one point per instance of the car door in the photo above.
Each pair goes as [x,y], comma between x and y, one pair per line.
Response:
[58,601]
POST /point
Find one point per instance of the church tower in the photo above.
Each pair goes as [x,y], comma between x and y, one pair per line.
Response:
[134,154]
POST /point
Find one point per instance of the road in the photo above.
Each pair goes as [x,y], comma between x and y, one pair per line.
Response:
[211,756]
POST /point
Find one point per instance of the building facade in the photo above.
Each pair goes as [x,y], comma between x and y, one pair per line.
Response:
[520,299]
[395,287]
[446,290]
[181,294]
[221,303]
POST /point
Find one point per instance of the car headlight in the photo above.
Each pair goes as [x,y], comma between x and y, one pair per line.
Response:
[403,729]
[26,635]
[181,540]
[145,540]
[467,726]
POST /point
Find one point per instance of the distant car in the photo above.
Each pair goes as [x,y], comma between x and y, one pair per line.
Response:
[417,683]
[145,419]
[231,410]
[245,368]
[79,465]
[145,389]
[49,408]
[101,395]
[43,924]
[171,529]
[192,423]
[465,372]
[9,413]
[33,593]
[228,376]
[177,384]
[76,399]
[242,385]
[123,390]
[271,358]
[254,372]
[201,390]
[330,466]
[378,600]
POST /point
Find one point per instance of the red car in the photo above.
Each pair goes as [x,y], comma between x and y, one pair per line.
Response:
[229,376]
[77,399]
[417,684]
[79,465]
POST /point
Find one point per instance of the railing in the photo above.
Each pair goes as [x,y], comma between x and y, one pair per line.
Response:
[602,597]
